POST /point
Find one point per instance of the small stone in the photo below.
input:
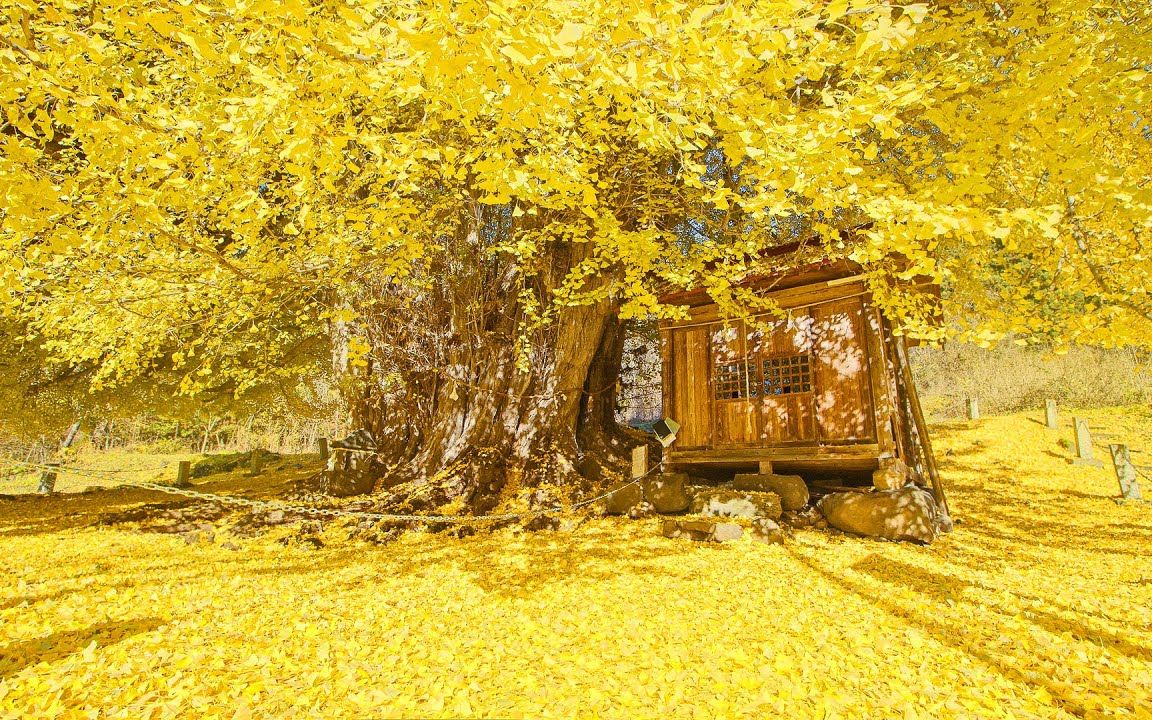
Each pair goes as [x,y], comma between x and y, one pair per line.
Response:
[274,517]
[227,545]
[767,531]
[725,532]
[671,529]
[944,523]
[892,474]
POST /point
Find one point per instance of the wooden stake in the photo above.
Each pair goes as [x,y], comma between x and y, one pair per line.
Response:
[255,462]
[765,467]
[1125,472]
[323,443]
[639,461]
[1051,416]
[184,474]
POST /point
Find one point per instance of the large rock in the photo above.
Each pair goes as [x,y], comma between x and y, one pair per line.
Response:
[666,492]
[908,513]
[625,496]
[792,489]
[702,530]
[725,502]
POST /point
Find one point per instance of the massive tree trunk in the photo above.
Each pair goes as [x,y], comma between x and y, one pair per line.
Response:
[454,414]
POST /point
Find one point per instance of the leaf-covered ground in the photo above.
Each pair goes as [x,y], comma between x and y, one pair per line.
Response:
[1036,606]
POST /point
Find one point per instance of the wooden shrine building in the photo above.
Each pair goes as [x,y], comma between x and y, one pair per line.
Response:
[824,392]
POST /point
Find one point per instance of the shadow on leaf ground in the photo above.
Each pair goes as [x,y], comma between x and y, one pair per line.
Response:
[16,656]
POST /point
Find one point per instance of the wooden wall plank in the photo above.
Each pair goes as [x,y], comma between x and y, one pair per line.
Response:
[881,382]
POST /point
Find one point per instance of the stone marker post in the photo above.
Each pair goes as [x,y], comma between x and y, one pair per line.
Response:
[184,474]
[255,462]
[1125,472]
[973,408]
[323,443]
[1084,454]
[48,480]
[1051,418]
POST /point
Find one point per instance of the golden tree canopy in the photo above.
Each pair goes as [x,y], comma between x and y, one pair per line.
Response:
[198,185]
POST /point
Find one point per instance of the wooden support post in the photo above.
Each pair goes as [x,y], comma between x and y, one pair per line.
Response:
[323,443]
[1084,454]
[920,423]
[973,408]
[255,462]
[48,480]
[1051,416]
[184,474]
[765,467]
[1125,472]
[639,461]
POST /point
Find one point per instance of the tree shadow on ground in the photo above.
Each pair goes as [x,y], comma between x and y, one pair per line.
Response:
[535,560]
[33,599]
[46,514]
[944,588]
[929,615]
[1005,526]
[15,656]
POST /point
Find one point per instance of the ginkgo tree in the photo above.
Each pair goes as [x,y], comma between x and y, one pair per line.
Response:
[464,201]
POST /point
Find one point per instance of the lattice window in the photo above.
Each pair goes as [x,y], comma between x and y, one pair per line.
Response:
[787,375]
[731,380]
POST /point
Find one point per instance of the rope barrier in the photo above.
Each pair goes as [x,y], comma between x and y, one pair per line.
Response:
[333,512]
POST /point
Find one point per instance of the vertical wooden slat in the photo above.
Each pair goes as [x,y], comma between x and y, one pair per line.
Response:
[880,381]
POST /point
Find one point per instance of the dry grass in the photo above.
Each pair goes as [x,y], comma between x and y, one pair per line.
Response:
[1035,607]
[1009,378]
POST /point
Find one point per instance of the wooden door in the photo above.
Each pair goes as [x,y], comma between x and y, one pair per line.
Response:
[783,357]
[686,374]
[840,372]
[735,386]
